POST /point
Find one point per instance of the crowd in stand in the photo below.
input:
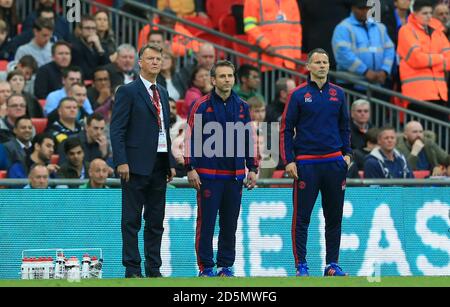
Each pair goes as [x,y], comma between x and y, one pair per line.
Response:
[57,89]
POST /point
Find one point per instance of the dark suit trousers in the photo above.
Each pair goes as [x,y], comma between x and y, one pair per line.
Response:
[148,192]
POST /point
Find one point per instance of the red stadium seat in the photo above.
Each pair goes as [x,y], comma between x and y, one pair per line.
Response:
[421,174]
[54,159]
[227,24]
[88,82]
[19,28]
[3,174]
[94,8]
[42,102]
[3,65]
[39,124]
[278,174]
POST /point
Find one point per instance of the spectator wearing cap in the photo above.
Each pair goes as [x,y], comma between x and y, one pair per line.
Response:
[98,173]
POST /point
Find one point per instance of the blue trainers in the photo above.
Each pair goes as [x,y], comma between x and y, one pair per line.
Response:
[207,272]
[333,270]
[225,272]
[302,269]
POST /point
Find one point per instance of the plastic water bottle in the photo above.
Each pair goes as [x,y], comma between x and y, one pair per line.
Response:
[60,266]
[93,268]
[32,268]
[73,269]
[86,266]
[99,267]
[25,268]
[47,267]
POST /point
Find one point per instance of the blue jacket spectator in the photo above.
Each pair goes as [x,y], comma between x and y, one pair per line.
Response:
[363,48]
[4,161]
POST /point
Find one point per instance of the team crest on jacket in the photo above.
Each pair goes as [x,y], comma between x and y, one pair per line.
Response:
[344,185]
[332,92]
[207,193]
[308,97]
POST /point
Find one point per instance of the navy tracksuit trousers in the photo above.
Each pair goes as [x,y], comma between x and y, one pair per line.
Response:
[328,178]
[223,197]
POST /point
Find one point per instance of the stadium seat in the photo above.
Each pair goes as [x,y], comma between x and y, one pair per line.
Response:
[39,124]
[88,82]
[94,8]
[19,28]
[180,109]
[3,174]
[206,22]
[278,174]
[3,65]
[42,102]
[421,174]
[216,9]
[54,159]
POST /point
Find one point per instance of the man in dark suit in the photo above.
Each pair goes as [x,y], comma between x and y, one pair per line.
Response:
[141,152]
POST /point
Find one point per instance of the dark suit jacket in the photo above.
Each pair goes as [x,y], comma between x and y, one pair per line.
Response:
[87,59]
[15,152]
[116,76]
[48,79]
[134,128]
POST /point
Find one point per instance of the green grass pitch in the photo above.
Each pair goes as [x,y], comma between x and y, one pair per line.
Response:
[416,281]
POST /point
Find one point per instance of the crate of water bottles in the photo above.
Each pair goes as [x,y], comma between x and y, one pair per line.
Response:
[72,264]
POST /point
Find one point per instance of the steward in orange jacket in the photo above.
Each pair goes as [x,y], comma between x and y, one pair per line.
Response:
[274,25]
[424,59]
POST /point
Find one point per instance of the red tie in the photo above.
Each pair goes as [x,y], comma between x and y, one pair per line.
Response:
[155,101]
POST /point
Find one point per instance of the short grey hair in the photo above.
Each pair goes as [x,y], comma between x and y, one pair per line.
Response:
[125,47]
[360,102]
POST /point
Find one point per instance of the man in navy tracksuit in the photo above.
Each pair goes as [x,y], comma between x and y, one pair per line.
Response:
[217,170]
[315,147]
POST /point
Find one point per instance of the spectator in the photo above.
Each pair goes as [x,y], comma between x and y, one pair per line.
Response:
[45,8]
[74,166]
[182,42]
[17,81]
[200,84]
[79,93]
[4,160]
[168,78]
[93,138]
[205,57]
[385,161]
[360,154]
[49,76]
[424,58]
[122,70]
[28,65]
[5,92]
[360,124]
[319,18]
[283,87]
[98,173]
[100,91]
[176,122]
[43,147]
[156,37]
[38,177]
[40,46]
[106,109]
[16,107]
[422,153]
[19,147]
[71,75]
[249,82]
[362,48]
[9,15]
[104,31]
[87,50]
[178,150]
[67,124]
[275,28]
[442,13]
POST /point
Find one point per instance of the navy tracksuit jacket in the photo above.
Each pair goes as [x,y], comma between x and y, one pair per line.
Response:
[315,133]
[221,174]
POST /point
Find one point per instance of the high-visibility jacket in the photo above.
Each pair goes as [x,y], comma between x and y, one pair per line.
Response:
[181,43]
[180,7]
[423,61]
[274,23]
